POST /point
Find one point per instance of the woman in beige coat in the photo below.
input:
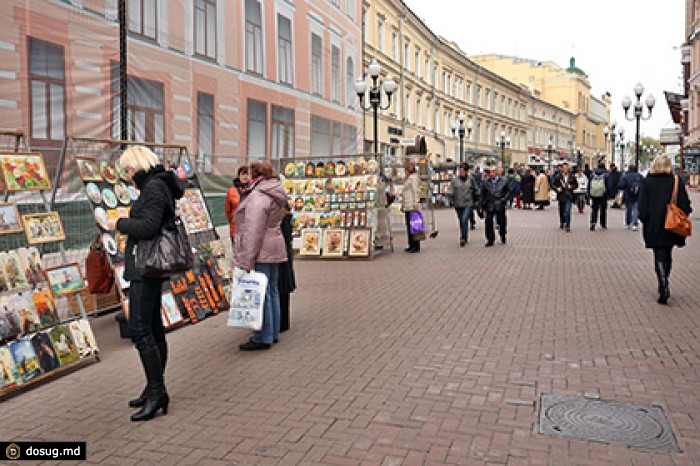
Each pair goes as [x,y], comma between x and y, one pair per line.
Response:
[541,190]
[410,202]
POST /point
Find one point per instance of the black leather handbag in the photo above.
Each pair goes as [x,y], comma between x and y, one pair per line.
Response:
[167,254]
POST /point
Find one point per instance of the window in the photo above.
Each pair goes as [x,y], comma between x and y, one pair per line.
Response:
[205,128]
[285,60]
[257,130]
[469,93]
[487,98]
[336,80]
[350,82]
[417,60]
[142,17]
[478,96]
[419,121]
[349,139]
[145,108]
[316,65]
[205,28]
[282,132]
[406,56]
[47,83]
[380,35]
[428,116]
[495,101]
[408,107]
[437,119]
[394,46]
[320,136]
[350,8]
[426,74]
[253,37]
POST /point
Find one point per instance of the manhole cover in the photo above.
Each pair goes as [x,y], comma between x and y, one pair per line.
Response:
[606,421]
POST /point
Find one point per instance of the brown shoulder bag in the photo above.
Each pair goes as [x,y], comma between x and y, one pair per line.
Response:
[677,221]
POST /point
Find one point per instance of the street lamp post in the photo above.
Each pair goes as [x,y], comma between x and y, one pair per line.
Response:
[375,96]
[611,134]
[550,149]
[627,103]
[503,142]
[460,132]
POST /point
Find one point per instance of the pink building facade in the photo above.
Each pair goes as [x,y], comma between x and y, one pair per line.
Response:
[229,79]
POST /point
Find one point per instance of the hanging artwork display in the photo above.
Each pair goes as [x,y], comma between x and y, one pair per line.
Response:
[333,243]
[109,173]
[88,169]
[43,227]
[24,171]
[65,279]
[310,242]
[9,218]
[193,211]
[359,242]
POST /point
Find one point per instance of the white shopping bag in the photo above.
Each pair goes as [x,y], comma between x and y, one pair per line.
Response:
[247,299]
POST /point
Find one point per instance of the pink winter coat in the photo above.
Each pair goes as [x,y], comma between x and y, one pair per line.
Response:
[258,236]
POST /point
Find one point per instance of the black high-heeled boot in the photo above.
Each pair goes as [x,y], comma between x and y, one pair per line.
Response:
[662,278]
[141,400]
[156,396]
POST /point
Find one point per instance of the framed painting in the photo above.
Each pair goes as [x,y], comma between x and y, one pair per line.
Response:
[65,279]
[88,169]
[310,242]
[10,221]
[43,227]
[24,171]
[64,344]
[359,243]
[122,282]
[193,211]
[171,311]
[13,270]
[83,337]
[333,242]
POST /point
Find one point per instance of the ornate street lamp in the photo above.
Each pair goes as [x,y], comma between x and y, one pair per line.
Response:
[627,103]
[375,96]
[613,135]
[503,142]
[460,132]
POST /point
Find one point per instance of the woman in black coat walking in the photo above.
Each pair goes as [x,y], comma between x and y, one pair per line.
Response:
[154,208]
[654,195]
[528,189]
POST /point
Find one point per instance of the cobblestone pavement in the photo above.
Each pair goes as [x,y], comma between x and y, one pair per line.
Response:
[430,358]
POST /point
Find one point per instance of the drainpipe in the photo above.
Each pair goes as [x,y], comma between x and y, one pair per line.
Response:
[402,77]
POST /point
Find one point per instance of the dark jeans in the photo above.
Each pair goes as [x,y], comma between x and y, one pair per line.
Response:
[413,244]
[599,203]
[145,322]
[565,212]
[463,215]
[500,216]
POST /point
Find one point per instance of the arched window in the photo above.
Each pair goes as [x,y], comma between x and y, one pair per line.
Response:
[350,82]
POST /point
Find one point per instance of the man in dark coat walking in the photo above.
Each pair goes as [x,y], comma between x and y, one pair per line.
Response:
[615,176]
[630,184]
[494,198]
[528,189]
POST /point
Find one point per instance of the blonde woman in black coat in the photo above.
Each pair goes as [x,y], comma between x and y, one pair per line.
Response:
[654,195]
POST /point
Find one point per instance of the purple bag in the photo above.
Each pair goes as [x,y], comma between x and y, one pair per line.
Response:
[415,221]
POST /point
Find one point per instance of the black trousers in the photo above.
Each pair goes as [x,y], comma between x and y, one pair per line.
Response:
[284,311]
[413,244]
[663,255]
[599,203]
[145,323]
[500,216]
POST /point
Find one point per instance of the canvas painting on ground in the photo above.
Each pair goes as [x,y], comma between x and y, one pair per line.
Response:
[25,359]
[63,343]
[45,227]
[10,221]
[14,273]
[65,279]
[45,352]
[83,337]
[9,377]
[24,171]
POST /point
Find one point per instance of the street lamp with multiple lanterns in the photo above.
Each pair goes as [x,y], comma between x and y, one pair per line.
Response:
[550,149]
[638,109]
[613,135]
[460,132]
[375,95]
[503,142]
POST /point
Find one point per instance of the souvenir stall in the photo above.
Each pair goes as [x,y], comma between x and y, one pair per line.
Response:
[336,206]
[440,184]
[187,297]
[40,338]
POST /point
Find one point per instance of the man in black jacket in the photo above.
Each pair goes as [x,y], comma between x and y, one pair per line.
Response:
[494,198]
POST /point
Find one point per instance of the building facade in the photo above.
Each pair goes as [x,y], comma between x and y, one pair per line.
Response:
[231,80]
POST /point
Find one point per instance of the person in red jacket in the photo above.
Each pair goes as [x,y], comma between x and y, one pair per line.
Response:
[233,198]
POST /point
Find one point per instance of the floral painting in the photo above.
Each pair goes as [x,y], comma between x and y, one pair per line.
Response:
[88,169]
[333,242]
[24,171]
[310,242]
[358,245]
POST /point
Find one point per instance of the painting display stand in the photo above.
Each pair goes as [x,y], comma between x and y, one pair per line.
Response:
[188,297]
[336,204]
[39,338]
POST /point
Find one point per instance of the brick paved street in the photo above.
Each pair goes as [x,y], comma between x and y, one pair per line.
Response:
[430,358]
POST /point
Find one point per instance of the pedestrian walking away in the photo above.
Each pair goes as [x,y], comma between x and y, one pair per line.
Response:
[630,184]
[655,194]
[260,245]
[581,191]
[463,197]
[527,186]
[154,208]
[615,176]
[287,283]
[494,198]
[598,189]
[411,202]
[564,185]
[541,190]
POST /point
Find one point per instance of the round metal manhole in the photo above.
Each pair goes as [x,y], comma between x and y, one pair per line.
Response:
[609,422]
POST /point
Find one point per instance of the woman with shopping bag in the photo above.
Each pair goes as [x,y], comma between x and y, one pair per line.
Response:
[259,245]
[410,204]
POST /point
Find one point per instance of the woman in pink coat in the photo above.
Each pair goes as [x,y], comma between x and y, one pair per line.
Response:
[259,245]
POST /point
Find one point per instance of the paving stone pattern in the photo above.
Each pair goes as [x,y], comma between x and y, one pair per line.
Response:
[431,358]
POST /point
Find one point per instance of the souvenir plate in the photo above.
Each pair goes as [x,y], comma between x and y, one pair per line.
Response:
[93,192]
[109,172]
[109,243]
[101,217]
[133,193]
[122,193]
[88,170]
[109,198]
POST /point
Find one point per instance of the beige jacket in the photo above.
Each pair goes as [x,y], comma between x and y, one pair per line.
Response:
[410,199]
[542,188]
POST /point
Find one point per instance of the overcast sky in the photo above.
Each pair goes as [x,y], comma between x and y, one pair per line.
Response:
[616,42]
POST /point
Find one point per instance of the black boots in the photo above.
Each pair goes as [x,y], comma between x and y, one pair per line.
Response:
[662,271]
[163,351]
[156,396]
